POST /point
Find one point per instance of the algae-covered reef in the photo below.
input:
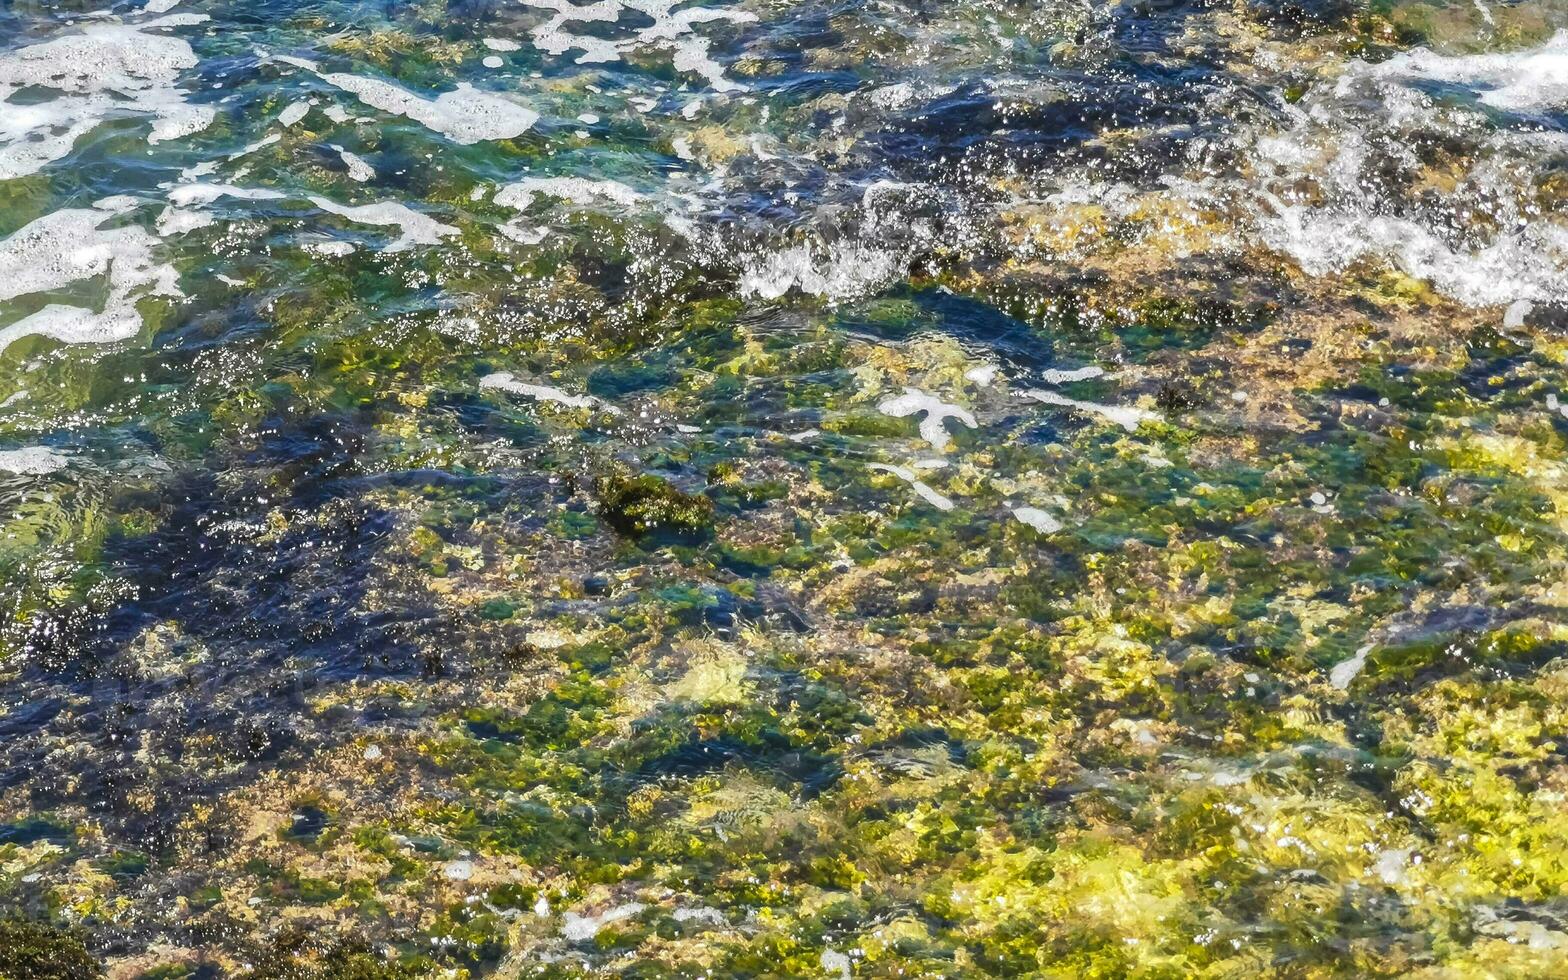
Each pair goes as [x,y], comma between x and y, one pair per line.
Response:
[783,489]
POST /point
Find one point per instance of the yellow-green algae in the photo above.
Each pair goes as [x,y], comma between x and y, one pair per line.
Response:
[460,684]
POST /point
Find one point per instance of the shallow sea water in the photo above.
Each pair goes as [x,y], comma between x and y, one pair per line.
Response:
[769,489]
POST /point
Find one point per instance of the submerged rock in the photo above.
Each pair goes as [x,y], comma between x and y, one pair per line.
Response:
[640,505]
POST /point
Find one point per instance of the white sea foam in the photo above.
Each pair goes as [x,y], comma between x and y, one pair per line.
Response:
[70,247]
[31,461]
[107,69]
[702,913]
[1392,865]
[250,148]
[932,428]
[910,477]
[506,381]
[581,928]
[1041,521]
[1531,264]
[1514,316]
[173,222]
[1484,243]
[417,228]
[501,44]
[293,113]
[358,169]
[464,115]
[983,375]
[333,247]
[844,271]
[1347,670]
[672,30]
[1127,416]
[199,195]
[577,190]
[1527,80]
[523,234]
[116,203]
[1061,376]
[836,964]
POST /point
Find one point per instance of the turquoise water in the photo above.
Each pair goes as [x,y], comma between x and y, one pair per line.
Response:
[783,489]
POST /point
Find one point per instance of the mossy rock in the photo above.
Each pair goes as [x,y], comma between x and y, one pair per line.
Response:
[296,954]
[36,951]
[640,505]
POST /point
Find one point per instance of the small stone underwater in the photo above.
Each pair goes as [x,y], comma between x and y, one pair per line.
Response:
[783,488]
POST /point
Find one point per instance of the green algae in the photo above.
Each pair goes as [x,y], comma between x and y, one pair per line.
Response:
[296,953]
[807,715]
[646,503]
[38,951]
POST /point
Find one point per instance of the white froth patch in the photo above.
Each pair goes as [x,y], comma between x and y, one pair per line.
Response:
[416,228]
[984,375]
[501,44]
[106,70]
[576,190]
[1518,81]
[32,461]
[1061,376]
[1490,246]
[506,381]
[1127,416]
[492,61]
[116,203]
[932,428]
[1347,670]
[844,271]
[173,222]
[672,30]
[1391,865]
[909,476]
[1528,264]
[293,114]
[702,913]
[1514,316]
[358,169]
[200,195]
[1040,520]
[69,247]
[250,148]
[331,247]
[523,234]
[465,115]
[581,928]
[835,963]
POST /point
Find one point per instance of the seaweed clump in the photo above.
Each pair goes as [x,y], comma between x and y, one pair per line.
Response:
[641,505]
[37,951]
[300,955]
